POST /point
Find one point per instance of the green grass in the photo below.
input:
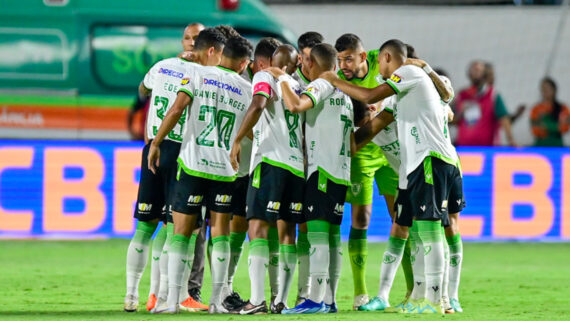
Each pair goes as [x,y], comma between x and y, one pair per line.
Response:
[75,280]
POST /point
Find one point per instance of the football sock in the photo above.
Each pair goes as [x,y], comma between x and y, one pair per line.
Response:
[236,247]
[407,268]
[319,258]
[417,259]
[273,241]
[390,263]
[303,282]
[137,255]
[430,234]
[157,245]
[287,263]
[335,264]
[258,262]
[358,252]
[220,261]
[163,262]
[177,259]
[445,283]
[455,261]
[188,268]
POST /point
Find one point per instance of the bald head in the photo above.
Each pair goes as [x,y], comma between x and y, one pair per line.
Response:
[190,34]
[285,56]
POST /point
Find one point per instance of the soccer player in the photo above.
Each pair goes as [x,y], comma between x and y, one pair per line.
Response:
[275,192]
[205,176]
[328,137]
[428,169]
[305,43]
[155,190]
[361,68]
[261,57]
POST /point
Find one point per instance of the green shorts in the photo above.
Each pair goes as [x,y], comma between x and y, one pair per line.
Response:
[367,165]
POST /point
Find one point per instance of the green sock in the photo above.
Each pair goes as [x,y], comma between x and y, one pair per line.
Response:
[273,241]
[407,267]
[358,252]
[236,247]
[455,261]
[303,282]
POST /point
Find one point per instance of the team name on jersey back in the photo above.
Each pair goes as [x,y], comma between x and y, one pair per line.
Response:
[219,101]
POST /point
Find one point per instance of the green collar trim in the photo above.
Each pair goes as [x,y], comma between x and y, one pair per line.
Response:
[300,73]
[226,69]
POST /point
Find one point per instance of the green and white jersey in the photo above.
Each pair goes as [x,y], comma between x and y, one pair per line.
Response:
[164,80]
[300,78]
[420,119]
[277,136]
[387,138]
[328,127]
[247,73]
[220,98]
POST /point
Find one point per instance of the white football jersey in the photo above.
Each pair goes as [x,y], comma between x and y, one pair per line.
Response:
[300,78]
[387,138]
[220,98]
[164,80]
[278,135]
[328,127]
[420,119]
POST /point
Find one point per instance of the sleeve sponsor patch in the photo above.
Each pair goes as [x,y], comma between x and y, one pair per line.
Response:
[185,81]
[312,90]
[262,87]
[396,78]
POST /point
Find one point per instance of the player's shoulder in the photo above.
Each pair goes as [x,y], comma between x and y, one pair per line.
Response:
[410,70]
[263,76]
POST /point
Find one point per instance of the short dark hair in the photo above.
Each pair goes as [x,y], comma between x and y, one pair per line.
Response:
[411,51]
[227,31]
[309,39]
[266,47]
[348,41]
[441,72]
[210,37]
[238,48]
[324,55]
[397,46]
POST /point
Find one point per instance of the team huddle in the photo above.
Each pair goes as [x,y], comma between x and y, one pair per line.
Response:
[273,148]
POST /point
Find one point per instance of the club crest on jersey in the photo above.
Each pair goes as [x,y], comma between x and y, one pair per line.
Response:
[185,81]
[396,78]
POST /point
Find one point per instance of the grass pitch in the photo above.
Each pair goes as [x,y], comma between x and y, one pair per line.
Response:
[85,280]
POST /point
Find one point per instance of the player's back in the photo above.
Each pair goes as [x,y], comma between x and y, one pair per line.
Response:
[328,128]
[164,80]
[220,98]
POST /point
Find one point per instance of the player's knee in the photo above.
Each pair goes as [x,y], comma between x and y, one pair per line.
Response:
[361,219]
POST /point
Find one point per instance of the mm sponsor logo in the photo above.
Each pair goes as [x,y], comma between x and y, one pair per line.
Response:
[222,85]
[172,73]
[339,209]
[296,207]
[273,206]
[144,207]
[195,199]
[223,199]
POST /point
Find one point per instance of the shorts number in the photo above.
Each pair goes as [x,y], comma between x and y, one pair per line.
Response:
[222,121]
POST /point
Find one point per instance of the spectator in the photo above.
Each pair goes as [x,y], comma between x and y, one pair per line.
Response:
[480,111]
[490,75]
[549,118]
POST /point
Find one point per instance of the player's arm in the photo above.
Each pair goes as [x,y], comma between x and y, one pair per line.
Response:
[258,103]
[353,147]
[365,133]
[443,88]
[143,91]
[366,95]
[294,103]
[168,123]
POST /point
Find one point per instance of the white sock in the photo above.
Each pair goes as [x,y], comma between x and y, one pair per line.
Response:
[187,269]
[163,263]
[258,262]
[445,283]
[157,245]
[303,281]
[220,261]
[430,234]
[137,256]
[390,263]
[334,266]
[177,260]
[287,264]
[455,262]
[319,267]
[418,266]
